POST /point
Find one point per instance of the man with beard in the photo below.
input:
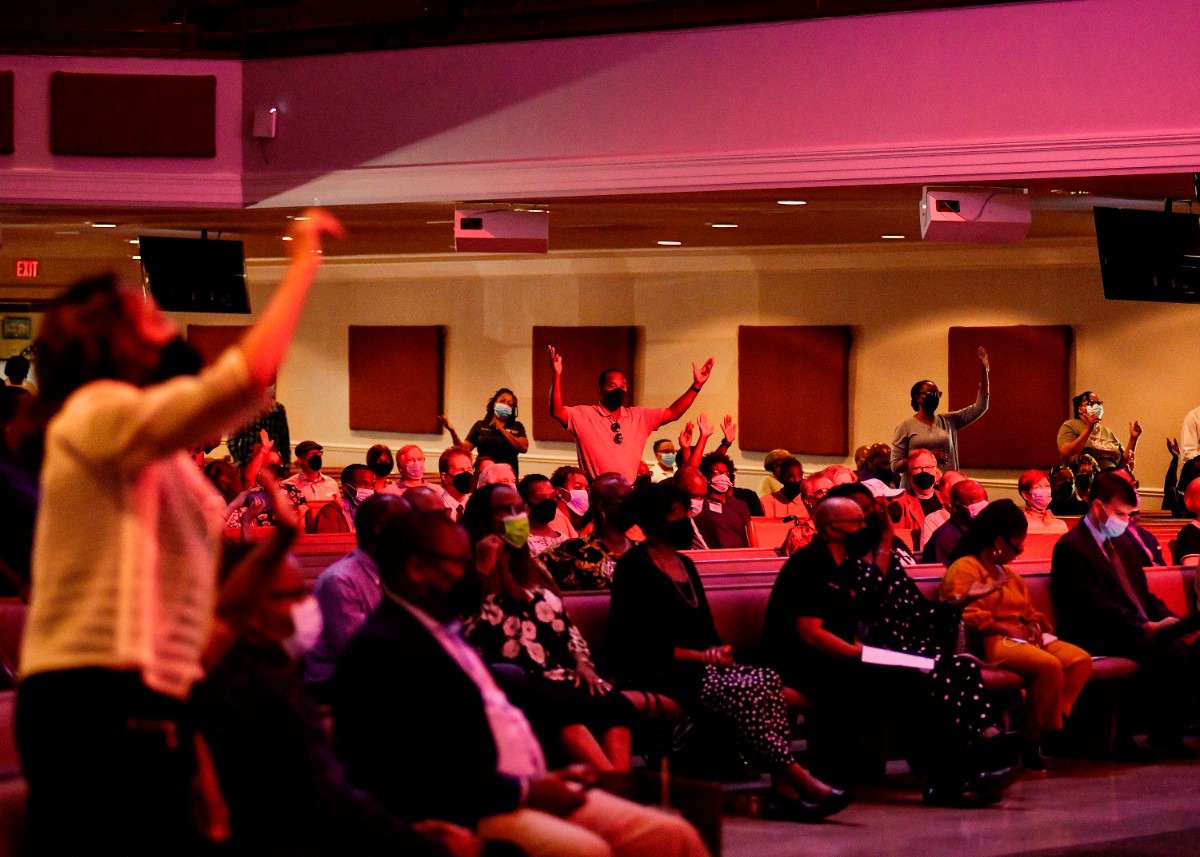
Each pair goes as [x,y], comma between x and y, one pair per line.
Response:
[609,435]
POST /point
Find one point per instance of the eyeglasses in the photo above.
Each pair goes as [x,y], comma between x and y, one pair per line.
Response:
[618,438]
[936,394]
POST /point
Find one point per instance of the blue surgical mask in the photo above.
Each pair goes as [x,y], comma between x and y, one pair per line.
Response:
[502,411]
[1113,526]
[668,459]
[1096,410]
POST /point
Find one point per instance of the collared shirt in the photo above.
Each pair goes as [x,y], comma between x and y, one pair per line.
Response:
[659,474]
[518,753]
[321,489]
[456,507]
[348,592]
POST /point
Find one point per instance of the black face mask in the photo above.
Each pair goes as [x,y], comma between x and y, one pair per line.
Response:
[613,399]
[462,482]
[178,357]
[929,404]
[679,534]
[923,481]
[791,490]
[1083,482]
[382,468]
[315,462]
[543,512]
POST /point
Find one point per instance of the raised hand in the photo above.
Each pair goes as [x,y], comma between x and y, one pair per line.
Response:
[702,423]
[700,375]
[1135,429]
[687,435]
[1173,447]
[983,358]
[729,429]
[555,360]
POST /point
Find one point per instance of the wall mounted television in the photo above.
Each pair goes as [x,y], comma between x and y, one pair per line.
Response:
[195,274]
[1148,255]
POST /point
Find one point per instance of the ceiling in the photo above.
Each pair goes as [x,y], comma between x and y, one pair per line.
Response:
[67,245]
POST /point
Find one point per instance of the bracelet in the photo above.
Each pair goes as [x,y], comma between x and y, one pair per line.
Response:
[694,388]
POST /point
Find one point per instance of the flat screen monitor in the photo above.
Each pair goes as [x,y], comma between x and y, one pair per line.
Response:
[195,274]
[1148,255]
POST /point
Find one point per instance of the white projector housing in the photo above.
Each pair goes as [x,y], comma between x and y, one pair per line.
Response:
[981,215]
[501,231]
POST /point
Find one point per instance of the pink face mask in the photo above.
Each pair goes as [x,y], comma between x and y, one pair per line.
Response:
[1039,498]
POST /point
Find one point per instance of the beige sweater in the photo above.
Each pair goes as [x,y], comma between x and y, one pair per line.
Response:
[126,549]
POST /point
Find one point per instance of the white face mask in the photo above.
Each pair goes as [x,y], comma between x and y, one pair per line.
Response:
[306,618]
[697,507]
[578,502]
[1113,526]
[1039,498]
[721,483]
[975,508]
[415,470]
[363,493]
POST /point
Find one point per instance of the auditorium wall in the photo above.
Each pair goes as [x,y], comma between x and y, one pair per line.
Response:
[900,300]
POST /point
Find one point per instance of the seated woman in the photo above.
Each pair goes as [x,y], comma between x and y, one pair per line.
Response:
[523,622]
[541,498]
[572,487]
[1016,635]
[787,500]
[1084,434]
[662,639]
[1034,488]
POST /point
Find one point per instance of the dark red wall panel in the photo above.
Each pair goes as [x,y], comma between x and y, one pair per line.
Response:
[586,352]
[6,112]
[397,378]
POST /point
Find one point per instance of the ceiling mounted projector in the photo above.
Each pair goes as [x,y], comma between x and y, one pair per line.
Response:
[502,231]
[979,215]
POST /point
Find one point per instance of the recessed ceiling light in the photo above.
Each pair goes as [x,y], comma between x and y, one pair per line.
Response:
[723,225]
[286,238]
[135,241]
[791,202]
[301,218]
[104,226]
[136,258]
[670,243]
[892,237]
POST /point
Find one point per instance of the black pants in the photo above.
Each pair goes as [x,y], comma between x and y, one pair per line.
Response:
[109,765]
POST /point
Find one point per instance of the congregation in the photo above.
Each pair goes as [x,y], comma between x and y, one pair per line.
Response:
[176,670]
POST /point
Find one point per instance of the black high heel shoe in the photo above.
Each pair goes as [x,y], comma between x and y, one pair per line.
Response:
[779,807]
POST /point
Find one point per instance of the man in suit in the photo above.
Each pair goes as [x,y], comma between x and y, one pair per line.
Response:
[1098,584]
[421,724]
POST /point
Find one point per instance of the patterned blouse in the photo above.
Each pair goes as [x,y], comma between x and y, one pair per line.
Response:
[261,515]
[581,563]
[536,635]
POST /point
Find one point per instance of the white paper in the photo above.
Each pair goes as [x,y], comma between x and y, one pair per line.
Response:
[888,658]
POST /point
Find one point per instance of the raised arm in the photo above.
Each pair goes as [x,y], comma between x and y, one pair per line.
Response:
[556,405]
[464,445]
[700,376]
[266,343]
[729,430]
[697,451]
[1135,431]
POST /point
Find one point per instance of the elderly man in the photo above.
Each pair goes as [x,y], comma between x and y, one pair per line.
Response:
[967,499]
[349,591]
[610,437]
[587,562]
[1098,582]
[456,472]
[410,466]
[422,725]
[310,481]
[919,498]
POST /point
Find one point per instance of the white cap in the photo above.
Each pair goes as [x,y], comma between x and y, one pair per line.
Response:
[878,488]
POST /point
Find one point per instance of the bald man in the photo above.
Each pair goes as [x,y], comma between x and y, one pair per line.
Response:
[692,481]
[967,499]
[1187,543]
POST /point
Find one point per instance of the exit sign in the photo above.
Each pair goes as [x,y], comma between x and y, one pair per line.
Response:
[27,268]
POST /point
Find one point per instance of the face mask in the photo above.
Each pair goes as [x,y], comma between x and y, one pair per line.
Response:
[929,404]
[544,511]
[516,530]
[382,467]
[1083,482]
[613,399]
[1039,498]
[668,459]
[1113,527]
[697,506]
[462,482]
[721,483]
[1096,410]
[363,493]
[791,490]
[578,502]
[415,470]
[975,508]
[923,481]
[178,357]
[307,624]
[315,462]
[502,411]
[679,534]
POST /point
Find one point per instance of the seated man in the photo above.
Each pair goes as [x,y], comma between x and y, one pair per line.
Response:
[311,482]
[663,467]
[919,498]
[421,724]
[587,562]
[787,501]
[357,484]
[967,499]
[348,592]
[723,518]
[1187,543]
[457,474]
[410,462]
[1103,603]
[936,518]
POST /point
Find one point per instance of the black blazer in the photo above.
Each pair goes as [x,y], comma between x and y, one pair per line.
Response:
[410,726]
[1091,605]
